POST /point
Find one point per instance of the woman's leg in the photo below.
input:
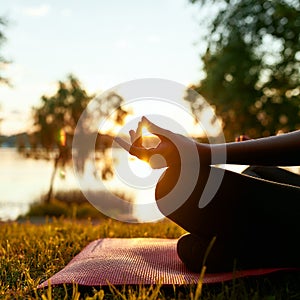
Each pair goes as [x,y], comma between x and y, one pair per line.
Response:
[274,174]
[254,221]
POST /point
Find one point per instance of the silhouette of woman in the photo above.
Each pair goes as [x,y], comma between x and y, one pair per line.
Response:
[250,222]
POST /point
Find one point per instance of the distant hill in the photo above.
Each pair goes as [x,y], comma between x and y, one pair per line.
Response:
[16,140]
[22,140]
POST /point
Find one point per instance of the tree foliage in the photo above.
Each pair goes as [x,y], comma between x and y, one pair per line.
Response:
[3,61]
[55,121]
[252,66]
[59,113]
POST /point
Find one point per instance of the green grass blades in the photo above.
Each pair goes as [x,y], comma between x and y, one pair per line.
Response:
[31,253]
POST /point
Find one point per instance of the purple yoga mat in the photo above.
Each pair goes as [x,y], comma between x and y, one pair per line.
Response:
[120,261]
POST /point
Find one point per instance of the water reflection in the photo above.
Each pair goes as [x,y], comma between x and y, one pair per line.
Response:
[24,180]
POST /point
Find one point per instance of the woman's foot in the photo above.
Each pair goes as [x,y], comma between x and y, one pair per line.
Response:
[195,252]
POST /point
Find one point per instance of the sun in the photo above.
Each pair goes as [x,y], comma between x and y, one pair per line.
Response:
[140,168]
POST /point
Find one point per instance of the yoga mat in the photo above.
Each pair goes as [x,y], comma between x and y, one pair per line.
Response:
[132,261]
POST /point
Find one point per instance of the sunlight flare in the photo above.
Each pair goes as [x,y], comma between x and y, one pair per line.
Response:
[139,168]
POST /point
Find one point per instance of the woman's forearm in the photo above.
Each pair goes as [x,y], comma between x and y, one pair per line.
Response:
[280,150]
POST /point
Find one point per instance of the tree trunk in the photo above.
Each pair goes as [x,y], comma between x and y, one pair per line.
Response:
[50,192]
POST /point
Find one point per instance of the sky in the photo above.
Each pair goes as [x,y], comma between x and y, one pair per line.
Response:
[103,43]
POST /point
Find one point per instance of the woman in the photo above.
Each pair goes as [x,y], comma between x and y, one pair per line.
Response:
[250,222]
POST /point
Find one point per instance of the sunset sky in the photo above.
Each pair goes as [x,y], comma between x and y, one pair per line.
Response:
[104,43]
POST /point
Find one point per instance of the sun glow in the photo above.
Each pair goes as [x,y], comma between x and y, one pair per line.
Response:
[140,168]
[62,137]
[149,140]
[137,175]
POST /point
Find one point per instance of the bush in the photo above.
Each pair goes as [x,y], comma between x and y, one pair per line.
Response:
[73,204]
[57,208]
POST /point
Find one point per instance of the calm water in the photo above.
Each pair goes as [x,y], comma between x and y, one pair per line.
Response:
[24,180]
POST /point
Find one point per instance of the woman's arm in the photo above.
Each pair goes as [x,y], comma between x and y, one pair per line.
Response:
[280,150]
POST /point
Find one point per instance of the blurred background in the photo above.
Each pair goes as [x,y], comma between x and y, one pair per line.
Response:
[241,56]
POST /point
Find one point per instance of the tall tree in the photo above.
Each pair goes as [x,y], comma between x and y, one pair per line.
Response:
[57,117]
[252,65]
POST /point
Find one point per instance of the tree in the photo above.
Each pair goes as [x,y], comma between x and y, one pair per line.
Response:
[60,113]
[3,61]
[56,119]
[252,66]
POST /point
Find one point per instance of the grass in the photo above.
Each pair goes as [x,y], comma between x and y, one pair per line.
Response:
[30,254]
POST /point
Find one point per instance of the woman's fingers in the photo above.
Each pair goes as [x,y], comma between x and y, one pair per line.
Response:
[139,152]
[242,138]
[135,139]
[132,135]
[159,156]
[123,143]
[139,130]
[155,129]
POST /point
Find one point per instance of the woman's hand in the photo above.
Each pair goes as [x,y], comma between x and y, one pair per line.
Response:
[165,154]
[187,164]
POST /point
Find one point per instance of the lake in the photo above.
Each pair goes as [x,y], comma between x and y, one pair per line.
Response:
[24,180]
